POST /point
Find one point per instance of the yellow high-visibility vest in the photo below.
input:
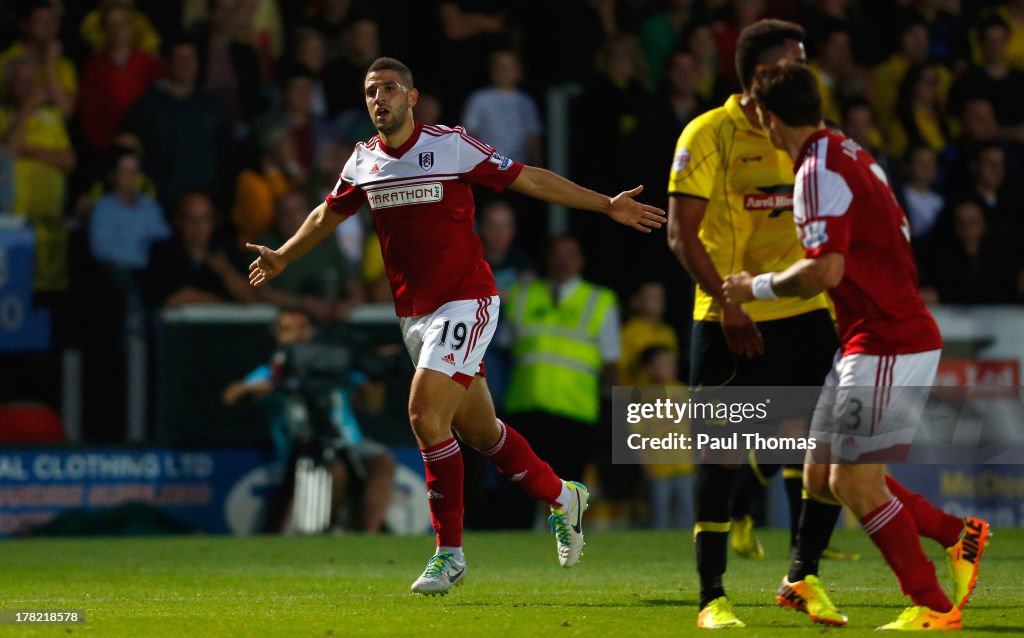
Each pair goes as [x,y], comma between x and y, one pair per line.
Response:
[556,351]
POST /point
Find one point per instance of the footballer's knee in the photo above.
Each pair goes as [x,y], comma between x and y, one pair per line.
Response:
[428,426]
[480,435]
[858,488]
[816,482]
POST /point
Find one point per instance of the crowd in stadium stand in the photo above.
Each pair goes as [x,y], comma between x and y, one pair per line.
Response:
[146,141]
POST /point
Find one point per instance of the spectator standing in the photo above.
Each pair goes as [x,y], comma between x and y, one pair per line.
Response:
[994,79]
[308,56]
[978,128]
[181,129]
[33,137]
[669,484]
[912,49]
[145,37]
[1012,13]
[645,329]
[660,33]
[39,22]
[229,70]
[918,196]
[116,76]
[565,349]
[504,114]
[344,75]
[276,171]
[920,112]
[496,226]
[991,190]
[838,76]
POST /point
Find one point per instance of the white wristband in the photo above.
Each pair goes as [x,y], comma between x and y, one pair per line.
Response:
[762,287]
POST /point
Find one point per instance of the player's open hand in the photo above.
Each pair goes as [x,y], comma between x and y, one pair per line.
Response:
[268,265]
[741,333]
[738,288]
[643,217]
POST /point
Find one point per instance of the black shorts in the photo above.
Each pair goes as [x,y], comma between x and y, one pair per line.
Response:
[797,351]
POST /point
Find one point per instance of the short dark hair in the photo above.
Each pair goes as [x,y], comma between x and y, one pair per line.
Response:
[991,22]
[294,309]
[27,8]
[790,92]
[391,64]
[170,44]
[761,43]
[982,147]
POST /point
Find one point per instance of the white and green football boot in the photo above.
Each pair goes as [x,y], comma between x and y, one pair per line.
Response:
[567,525]
[442,573]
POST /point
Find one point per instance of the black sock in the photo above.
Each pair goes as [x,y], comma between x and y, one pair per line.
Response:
[817,520]
[712,528]
[750,483]
[793,479]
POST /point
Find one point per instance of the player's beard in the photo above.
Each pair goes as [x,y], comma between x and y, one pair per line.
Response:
[396,122]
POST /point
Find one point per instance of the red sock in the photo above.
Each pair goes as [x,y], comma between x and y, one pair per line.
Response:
[892,529]
[443,464]
[517,462]
[931,522]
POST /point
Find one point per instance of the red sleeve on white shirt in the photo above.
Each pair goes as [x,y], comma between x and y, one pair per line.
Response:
[825,198]
[346,198]
[488,167]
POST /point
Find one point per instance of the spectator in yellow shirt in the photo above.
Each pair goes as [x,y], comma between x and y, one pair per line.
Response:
[920,113]
[276,171]
[147,39]
[670,478]
[1013,13]
[644,329]
[887,76]
[39,22]
[33,134]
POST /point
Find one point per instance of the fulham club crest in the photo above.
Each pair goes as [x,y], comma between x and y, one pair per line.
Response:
[426,161]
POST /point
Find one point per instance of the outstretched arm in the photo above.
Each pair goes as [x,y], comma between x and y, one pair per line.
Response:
[806,278]
[547,186]
[317,227]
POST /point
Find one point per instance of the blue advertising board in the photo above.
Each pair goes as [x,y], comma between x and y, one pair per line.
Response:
[214,491]
[22,327]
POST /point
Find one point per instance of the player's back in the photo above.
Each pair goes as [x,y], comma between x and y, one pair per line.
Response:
[843,203]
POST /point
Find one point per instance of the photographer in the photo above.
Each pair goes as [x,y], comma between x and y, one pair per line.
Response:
[356,459]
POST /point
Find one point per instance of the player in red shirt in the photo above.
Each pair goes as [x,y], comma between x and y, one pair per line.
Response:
[857,247]
[417,181]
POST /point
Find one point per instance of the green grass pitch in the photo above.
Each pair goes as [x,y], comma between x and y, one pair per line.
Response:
[629,584]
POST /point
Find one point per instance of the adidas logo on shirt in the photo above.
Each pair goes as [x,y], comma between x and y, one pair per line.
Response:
[374,170]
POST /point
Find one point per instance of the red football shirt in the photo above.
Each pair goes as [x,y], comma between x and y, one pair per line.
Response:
[422,203]
[843,203]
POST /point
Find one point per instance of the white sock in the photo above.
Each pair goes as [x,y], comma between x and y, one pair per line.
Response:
[564,497]
[455,551]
